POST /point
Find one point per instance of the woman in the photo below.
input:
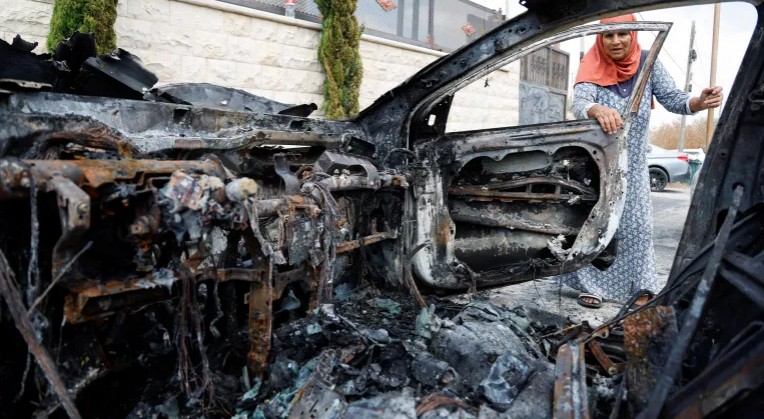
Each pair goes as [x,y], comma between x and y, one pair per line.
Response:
[606,76]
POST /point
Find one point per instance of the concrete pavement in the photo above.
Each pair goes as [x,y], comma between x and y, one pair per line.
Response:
[669,213]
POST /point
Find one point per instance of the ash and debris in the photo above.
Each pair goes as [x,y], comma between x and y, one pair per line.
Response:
[366,356]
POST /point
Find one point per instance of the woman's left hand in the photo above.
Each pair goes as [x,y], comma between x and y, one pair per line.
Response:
[710,97]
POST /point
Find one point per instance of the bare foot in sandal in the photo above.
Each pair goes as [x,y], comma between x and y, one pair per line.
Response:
[589,300]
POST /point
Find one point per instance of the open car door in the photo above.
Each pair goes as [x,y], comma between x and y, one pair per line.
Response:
[502,205]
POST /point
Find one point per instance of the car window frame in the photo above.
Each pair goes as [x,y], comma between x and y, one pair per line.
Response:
[443,96]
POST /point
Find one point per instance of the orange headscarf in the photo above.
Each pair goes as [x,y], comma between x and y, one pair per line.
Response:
[597,67]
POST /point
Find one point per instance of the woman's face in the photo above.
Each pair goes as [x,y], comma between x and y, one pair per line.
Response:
[617,44]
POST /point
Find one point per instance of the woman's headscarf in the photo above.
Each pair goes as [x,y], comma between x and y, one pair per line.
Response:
[597,67]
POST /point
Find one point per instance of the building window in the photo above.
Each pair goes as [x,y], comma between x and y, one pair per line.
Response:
[446,27]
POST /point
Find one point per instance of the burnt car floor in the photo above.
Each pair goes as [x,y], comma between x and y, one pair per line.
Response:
[191,250]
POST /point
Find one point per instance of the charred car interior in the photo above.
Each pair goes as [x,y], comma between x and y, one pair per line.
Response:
[191,250]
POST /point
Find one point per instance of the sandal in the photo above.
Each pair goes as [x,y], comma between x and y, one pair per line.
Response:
[585,296]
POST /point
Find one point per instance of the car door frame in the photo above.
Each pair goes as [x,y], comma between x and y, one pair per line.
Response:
[441,153]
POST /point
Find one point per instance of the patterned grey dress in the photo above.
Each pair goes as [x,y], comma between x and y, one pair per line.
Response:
[634,267]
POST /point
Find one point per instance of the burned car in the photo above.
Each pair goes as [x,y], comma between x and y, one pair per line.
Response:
[170,231]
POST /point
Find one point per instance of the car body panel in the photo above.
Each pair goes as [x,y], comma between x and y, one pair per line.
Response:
[668,161]
[125,208]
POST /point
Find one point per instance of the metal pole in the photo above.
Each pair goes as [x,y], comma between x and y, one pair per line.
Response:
[431,24]
[691,55]
[714,55]
[401,17]
[415,22]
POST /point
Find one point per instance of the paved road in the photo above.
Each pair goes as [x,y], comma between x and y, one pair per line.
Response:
[669,213]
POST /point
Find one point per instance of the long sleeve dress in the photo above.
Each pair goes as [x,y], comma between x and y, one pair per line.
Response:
[634,266]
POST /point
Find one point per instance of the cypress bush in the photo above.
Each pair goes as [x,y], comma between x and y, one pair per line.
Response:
[87,16]
[338,53]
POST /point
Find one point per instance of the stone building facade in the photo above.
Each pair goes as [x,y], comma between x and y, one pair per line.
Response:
[263,53]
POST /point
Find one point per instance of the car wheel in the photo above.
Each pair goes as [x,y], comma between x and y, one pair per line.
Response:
[658,179]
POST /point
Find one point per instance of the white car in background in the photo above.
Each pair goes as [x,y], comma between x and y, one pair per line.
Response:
[666,166]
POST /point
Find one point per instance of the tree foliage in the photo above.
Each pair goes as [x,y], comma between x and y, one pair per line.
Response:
[338,53]
[87,16]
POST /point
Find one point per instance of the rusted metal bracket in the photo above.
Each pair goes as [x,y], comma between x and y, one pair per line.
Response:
[74,214]
[570,397]
[347,246]
[281,166]
[493,191]
[610,367]
[332,161]
[260,323]
[648,336]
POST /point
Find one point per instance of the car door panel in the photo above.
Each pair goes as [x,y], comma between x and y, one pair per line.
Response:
[504,205]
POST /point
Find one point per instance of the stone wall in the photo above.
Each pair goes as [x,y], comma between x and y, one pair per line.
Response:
[263,53]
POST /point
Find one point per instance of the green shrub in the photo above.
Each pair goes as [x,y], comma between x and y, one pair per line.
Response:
[339,55]
[87,16]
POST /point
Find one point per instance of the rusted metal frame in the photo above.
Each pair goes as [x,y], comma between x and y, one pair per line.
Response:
[476,193]
[347,246]
[540,180]
[570,395]
[260,321]
[648,337]
[74,216]
[735,373]
[260,305]
[693,314]
[14,300]
[604,360]
[117,295]
[147,290]
[95,173]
